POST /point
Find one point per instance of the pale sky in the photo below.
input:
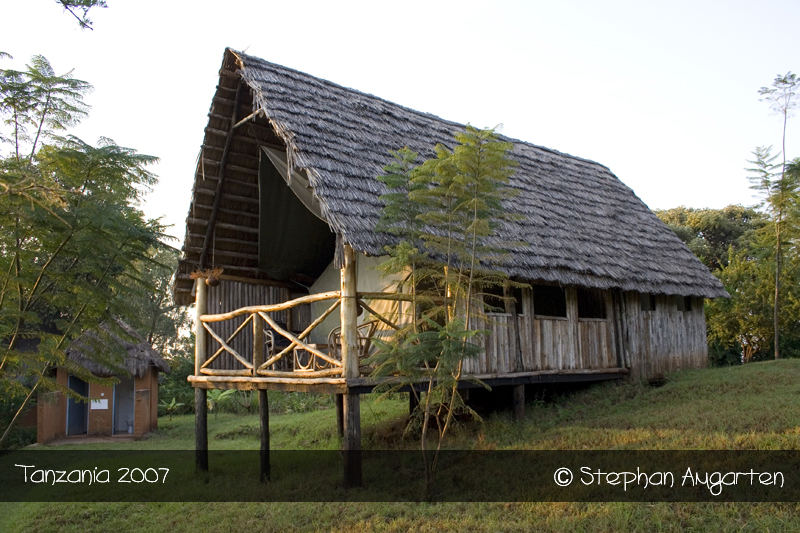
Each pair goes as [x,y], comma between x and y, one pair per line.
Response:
[665,94]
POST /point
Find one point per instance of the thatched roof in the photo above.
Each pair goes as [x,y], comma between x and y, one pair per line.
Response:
[579,224]
[113,350]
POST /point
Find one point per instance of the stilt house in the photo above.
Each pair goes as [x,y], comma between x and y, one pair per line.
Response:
[286,200]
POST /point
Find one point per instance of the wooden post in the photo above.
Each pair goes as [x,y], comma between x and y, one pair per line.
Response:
[339,414]
[519,402]
[351,408]
[351,440]
[263,413]
[263,399]
[412,402]
[258,342]
[573,355]
[511,308]
[200,405]
[348,313]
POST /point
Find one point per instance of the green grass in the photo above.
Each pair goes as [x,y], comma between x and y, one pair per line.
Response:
[745,407]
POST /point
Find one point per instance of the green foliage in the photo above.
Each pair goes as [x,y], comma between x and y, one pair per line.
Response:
[709,233]
[169,407]
[174,384]
[73,243]
[442,213]
[80,10]
[217,399]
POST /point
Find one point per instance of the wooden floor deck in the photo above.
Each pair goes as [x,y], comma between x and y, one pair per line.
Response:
[362,385]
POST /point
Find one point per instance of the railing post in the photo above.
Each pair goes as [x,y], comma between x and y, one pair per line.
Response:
[349,314]
[200,352]
[258,342]
[351,408]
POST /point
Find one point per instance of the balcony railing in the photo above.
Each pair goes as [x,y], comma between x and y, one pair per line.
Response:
[298,358]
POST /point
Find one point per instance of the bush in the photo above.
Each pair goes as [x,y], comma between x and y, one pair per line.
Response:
[174,386]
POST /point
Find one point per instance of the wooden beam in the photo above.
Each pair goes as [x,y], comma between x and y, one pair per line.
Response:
[220,225]
[351,403]
[200,405]
[413,402]
[221,253]
[519,402]
[311,298]
[351,439]
[221,178]
[349,314]
[200,430]
[339,399]
[258,341]
[248,118]
[263,414]
[511,307]
[228,196]
[200,338]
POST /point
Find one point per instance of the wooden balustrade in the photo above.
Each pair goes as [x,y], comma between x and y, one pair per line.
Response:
[320,360]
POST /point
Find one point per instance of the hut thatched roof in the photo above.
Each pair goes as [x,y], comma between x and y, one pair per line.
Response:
[113,348]
[579,224]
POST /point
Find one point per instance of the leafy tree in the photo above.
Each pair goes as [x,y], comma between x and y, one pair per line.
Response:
[72,241]
[709,233]
[779,193]
[157,317]
[80,10]
[442,213]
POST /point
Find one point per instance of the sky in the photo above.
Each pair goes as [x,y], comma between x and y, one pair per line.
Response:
[665,94]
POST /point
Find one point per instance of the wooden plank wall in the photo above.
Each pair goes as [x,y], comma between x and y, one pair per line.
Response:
[547,343]
[664,340]
[230,295]
[649,343]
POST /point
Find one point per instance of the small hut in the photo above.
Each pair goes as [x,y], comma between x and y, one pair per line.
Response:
[127,407]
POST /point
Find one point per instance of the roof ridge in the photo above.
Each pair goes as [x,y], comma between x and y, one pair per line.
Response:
[505,138]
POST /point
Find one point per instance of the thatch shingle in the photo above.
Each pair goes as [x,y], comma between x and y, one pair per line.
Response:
[579,224]
[107,352]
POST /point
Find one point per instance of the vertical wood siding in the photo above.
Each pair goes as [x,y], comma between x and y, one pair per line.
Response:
[230,295]
[649,343]
[664,340]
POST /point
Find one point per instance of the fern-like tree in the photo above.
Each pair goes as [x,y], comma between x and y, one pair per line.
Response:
[443,214]
[779,189]
[72,240]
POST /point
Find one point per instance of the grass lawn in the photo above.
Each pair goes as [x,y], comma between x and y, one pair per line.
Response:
[756,406]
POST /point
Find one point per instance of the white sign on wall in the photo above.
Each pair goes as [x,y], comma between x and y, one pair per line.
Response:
[100,404]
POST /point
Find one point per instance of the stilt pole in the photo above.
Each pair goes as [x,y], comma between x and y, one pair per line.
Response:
[200,405]
[351,408]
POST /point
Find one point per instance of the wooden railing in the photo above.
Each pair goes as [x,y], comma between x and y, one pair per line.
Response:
[317,361]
